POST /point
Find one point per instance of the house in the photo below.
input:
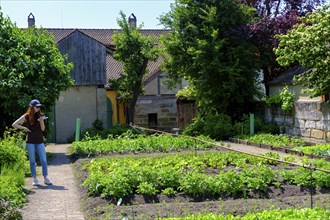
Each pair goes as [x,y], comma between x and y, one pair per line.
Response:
[286,78]
[92,98]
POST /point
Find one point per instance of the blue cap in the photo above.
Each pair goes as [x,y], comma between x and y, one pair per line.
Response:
[35,102]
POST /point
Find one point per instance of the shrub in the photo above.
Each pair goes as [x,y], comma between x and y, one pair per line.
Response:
[7,211]
[12,153]
[98,132]
[243,127]
[216,126]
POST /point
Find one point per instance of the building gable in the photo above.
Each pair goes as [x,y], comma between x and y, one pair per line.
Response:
[88,56]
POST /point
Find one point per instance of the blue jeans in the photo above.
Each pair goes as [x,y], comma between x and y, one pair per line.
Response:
[40,148]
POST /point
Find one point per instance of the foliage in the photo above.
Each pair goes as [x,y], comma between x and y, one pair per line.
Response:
[149,175]
[187,93]
[285,99]
[139,144]
[12,182]
[243,127]
[308,44]
[7,211]
[275,17]
[146,189]
[187,173]
[207,45]
[275,140]
[12,153]
[31,66]
[215,126]
[285,214]
[97,132]
[273,8]
[169,191]
[319,149]
[13,169]
[133,51]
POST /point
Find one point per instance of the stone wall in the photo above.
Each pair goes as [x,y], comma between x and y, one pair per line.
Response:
[308,120]
[165,108]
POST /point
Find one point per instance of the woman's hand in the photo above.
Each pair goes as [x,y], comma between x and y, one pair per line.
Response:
[42,118]
[26,129]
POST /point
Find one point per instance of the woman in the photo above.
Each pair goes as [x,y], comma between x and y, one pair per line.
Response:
[33,122]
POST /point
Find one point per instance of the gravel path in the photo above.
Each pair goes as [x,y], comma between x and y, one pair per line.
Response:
[255,150]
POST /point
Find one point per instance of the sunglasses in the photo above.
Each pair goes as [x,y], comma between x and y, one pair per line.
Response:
[37,106]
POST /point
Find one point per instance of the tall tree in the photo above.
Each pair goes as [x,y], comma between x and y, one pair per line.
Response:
[308,43]
[31,66]
[207,45]
[133,51]
[273,8]
[275,17]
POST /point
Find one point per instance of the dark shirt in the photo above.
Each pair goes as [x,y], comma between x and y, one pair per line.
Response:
[36,135]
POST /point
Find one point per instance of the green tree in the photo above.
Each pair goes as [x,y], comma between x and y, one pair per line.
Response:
[208,46]
[31,66]
[308,44]
[133,51]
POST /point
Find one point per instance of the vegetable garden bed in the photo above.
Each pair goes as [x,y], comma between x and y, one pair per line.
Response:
[154,184]
[286,144]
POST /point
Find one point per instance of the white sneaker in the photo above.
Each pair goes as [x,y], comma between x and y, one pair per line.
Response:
[47,181]
[35,182]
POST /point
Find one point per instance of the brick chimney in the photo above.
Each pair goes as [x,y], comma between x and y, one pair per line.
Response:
[31,20]
[132,20]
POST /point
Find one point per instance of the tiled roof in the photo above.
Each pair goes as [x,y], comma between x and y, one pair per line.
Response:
[287,76]
[104,36]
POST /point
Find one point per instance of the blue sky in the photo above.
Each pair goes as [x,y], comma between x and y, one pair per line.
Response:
[85,13]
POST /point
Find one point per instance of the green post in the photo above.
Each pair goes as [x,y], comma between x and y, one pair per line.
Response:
[77,130]
[251,124]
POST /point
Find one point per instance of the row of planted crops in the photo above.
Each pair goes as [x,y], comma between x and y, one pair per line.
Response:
[286,142]
[198,169]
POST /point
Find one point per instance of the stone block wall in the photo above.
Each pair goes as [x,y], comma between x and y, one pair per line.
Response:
[308,120]
[165,108]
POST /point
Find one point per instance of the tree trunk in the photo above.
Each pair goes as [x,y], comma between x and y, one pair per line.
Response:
[136,93]
[132,103]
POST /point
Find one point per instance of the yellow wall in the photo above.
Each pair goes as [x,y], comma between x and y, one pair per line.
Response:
[118,116]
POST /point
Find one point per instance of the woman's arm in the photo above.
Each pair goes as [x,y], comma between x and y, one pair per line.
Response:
[18,122]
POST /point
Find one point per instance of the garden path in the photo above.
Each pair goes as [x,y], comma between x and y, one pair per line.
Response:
[58,201]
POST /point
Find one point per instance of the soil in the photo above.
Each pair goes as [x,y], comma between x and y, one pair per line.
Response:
[180,205]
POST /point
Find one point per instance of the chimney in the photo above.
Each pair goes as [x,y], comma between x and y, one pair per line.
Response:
[132,20]
[31,20]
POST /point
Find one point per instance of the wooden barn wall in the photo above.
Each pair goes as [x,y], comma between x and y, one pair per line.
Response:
[88,57]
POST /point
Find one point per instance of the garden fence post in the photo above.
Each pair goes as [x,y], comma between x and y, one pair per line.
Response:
[77,138]
[251,124]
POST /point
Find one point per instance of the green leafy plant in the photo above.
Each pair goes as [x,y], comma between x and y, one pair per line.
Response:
[285,99]
[147,189]
[216,126]
[169,191]
[242,127]
[289,213]
[7,211]
[319,149]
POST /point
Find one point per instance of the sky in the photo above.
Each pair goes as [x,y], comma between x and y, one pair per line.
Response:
[100,14]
